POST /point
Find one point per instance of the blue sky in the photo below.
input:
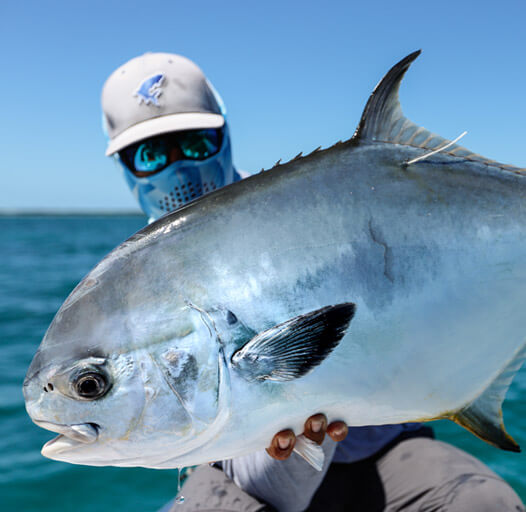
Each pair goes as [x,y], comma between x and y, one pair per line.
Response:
[294,75]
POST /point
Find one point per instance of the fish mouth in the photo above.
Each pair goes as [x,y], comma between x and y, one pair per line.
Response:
[69,436]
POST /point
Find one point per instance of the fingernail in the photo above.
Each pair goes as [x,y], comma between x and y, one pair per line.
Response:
[315,425]
[283,443]
[339,431]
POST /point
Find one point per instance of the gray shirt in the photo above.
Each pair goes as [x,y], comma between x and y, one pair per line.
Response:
[290,485]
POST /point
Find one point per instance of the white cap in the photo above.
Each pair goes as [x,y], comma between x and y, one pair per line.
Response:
[154,94]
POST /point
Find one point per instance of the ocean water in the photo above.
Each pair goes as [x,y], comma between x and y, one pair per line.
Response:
[43,258]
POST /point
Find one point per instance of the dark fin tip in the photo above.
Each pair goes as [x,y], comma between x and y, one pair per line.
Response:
[483,416]
[373,113]
[481,426]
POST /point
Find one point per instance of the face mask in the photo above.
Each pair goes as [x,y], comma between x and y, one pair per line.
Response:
[182,181]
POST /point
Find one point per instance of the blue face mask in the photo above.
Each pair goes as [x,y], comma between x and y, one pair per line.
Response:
[182,181]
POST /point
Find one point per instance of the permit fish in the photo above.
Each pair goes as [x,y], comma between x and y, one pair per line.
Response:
[379,281]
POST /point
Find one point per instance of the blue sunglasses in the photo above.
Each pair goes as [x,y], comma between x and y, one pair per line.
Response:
[153,155]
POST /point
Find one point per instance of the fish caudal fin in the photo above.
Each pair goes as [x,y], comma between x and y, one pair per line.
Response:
[383,121]
[290,350]
[483,416]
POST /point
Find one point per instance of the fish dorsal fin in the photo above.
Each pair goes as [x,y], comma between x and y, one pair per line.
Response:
[483,416]
[383,111]
[383,121]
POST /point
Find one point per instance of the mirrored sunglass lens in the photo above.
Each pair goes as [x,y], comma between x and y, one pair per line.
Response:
[151,156]
[199,144]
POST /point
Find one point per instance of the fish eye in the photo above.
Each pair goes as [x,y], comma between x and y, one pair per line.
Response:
[91,385]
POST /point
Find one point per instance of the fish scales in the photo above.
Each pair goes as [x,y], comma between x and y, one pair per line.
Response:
[345,281]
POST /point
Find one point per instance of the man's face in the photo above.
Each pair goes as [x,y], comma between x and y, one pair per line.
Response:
[150,156]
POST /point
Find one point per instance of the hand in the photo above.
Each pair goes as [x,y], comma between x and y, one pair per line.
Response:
[315,429]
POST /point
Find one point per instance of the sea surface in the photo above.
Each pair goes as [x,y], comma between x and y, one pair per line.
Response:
[42,259]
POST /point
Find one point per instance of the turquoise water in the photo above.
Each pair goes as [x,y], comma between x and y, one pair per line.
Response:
[43,258]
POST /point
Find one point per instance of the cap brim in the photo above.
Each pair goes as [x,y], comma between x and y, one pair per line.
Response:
[164,124]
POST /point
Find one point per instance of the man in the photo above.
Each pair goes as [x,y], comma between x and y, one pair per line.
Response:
[168,132]
[167,128]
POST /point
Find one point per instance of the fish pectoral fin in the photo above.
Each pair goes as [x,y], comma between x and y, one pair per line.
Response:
[310,451]
[483,416]
[293,348]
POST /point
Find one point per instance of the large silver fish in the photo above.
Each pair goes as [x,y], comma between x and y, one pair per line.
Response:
[353,281]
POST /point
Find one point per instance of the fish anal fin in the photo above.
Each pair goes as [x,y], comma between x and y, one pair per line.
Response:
[489,429]
[293,348]
[483,416]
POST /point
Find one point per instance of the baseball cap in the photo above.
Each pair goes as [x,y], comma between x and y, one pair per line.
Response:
[157,93]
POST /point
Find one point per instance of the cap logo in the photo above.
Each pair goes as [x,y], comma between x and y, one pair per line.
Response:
[150,89]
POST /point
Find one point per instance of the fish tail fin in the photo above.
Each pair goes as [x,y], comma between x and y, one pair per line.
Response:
[483,416]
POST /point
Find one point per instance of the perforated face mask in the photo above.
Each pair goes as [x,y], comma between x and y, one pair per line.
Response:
[182,181]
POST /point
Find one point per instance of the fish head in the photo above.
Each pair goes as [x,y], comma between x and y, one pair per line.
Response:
[125,379]
[88,401]
[81,383]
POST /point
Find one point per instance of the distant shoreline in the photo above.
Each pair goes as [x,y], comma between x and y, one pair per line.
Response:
[71,213]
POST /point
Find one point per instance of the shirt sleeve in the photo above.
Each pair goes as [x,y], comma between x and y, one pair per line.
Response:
[287,485]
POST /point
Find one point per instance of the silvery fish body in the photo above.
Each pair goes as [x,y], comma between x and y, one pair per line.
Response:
[352,281]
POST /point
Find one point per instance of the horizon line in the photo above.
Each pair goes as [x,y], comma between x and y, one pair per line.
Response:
[47,212]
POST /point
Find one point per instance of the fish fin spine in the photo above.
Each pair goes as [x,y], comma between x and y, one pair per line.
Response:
[483,416]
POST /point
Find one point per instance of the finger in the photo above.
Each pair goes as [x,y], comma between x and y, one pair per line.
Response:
[337,430]
[315,428]
[282,445]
